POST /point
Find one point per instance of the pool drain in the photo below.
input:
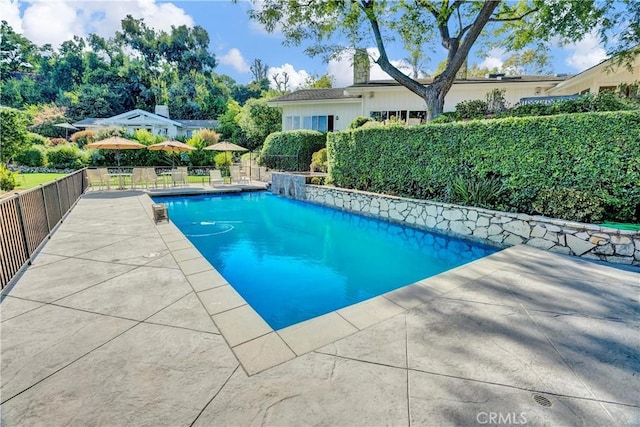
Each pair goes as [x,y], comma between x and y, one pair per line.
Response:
[541,400]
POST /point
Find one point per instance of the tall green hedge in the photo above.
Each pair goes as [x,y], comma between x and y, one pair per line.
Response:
[595,154]
[291,150]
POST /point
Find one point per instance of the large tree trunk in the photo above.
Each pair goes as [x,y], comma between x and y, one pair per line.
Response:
[434,95]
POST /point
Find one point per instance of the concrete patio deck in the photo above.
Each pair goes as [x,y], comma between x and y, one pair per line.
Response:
[120,321]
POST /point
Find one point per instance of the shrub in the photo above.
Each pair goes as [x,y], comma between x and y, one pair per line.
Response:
[291,150]
[223,161]
[596,153]
[604,101]
[35,139]
[83,137]
[36,156]
[317,180]
[359,121]
[67,156]
[446,118]
[8,179]
[319,161]
[567,203]
[474,109]
[477,191]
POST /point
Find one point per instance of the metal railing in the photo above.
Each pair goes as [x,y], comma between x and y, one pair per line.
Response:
[27,219]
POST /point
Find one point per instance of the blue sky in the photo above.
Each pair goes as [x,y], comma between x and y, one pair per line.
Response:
[235,39]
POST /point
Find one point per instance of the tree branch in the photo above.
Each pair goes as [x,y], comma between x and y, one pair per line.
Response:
[514,18]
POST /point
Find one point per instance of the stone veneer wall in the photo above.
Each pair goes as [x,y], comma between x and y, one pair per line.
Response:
[483,225]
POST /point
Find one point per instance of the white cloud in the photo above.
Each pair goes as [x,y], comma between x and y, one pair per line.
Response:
[586,53]
[10,12]
[494,59]
[234,59]
[341,68]
[296,78]
[56,21]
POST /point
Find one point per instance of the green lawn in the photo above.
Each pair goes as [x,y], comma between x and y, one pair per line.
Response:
[30,180]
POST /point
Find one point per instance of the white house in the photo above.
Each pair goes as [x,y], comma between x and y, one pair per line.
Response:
[333,109]
[157,123]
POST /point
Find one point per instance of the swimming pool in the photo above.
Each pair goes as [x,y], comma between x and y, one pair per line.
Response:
[292,261]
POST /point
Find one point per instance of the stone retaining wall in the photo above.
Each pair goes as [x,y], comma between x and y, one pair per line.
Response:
[494,227]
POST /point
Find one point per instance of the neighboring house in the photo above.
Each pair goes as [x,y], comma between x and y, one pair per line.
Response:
[157,123]
[333,109]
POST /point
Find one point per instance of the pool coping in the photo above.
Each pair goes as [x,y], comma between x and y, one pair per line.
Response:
[258,347]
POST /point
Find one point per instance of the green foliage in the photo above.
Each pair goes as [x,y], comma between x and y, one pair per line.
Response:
[478,191]
[45,117]
[474,109]
[291,150]
[596,153]
[67,156]
[604,101]
[496,102]
[571,204]
[359,121]
[8,179]
[447,117]
[35,139]
[223,161]
[83,137]
[13,130]
[36,156]
[319,161]
[317,180]
[258,120]
[108,132]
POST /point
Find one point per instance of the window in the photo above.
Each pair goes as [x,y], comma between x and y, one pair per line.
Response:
[319,123]
[381,116]
[296,122]
[288,123]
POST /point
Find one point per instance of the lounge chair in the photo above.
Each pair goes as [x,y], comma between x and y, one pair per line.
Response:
[106,176]
[178,176]
[215,177]
[152,177]
[138,176]
[97,179]
[237,176]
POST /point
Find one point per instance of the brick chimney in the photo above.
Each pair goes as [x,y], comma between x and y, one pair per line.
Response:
[361,67]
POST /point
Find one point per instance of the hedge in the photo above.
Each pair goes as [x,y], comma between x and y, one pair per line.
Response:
[595,154]
[36,156]
[291,150]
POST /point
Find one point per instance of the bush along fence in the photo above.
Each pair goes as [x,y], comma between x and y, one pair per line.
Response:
[580,167]
[28,218]
[501,229]
[291,150]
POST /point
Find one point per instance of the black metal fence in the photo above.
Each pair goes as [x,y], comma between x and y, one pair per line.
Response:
[27,219]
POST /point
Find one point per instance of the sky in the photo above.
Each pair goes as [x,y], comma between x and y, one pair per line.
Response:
[235,39]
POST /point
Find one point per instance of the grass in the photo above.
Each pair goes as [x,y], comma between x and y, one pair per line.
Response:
[26,181]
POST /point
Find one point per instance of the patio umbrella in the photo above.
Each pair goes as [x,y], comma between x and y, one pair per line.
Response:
[225,146]
[116,143]
[66,126]
[171,146]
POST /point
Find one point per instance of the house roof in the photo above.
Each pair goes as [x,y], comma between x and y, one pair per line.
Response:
[89,121]
[133,114]
[314,95]
[472,80]
[198,123]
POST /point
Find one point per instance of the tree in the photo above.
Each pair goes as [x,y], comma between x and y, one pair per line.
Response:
[13,128]
[457,24]
[281,81]
[258,120]
[318,82]
[259,70]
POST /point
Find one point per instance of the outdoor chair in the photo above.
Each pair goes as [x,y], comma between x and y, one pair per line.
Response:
[178,177]
[138,177]
[215,177]
[237,176]
[96,179]
[105,176]
[152,177]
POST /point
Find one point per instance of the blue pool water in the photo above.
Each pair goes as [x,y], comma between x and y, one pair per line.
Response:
[292,261]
